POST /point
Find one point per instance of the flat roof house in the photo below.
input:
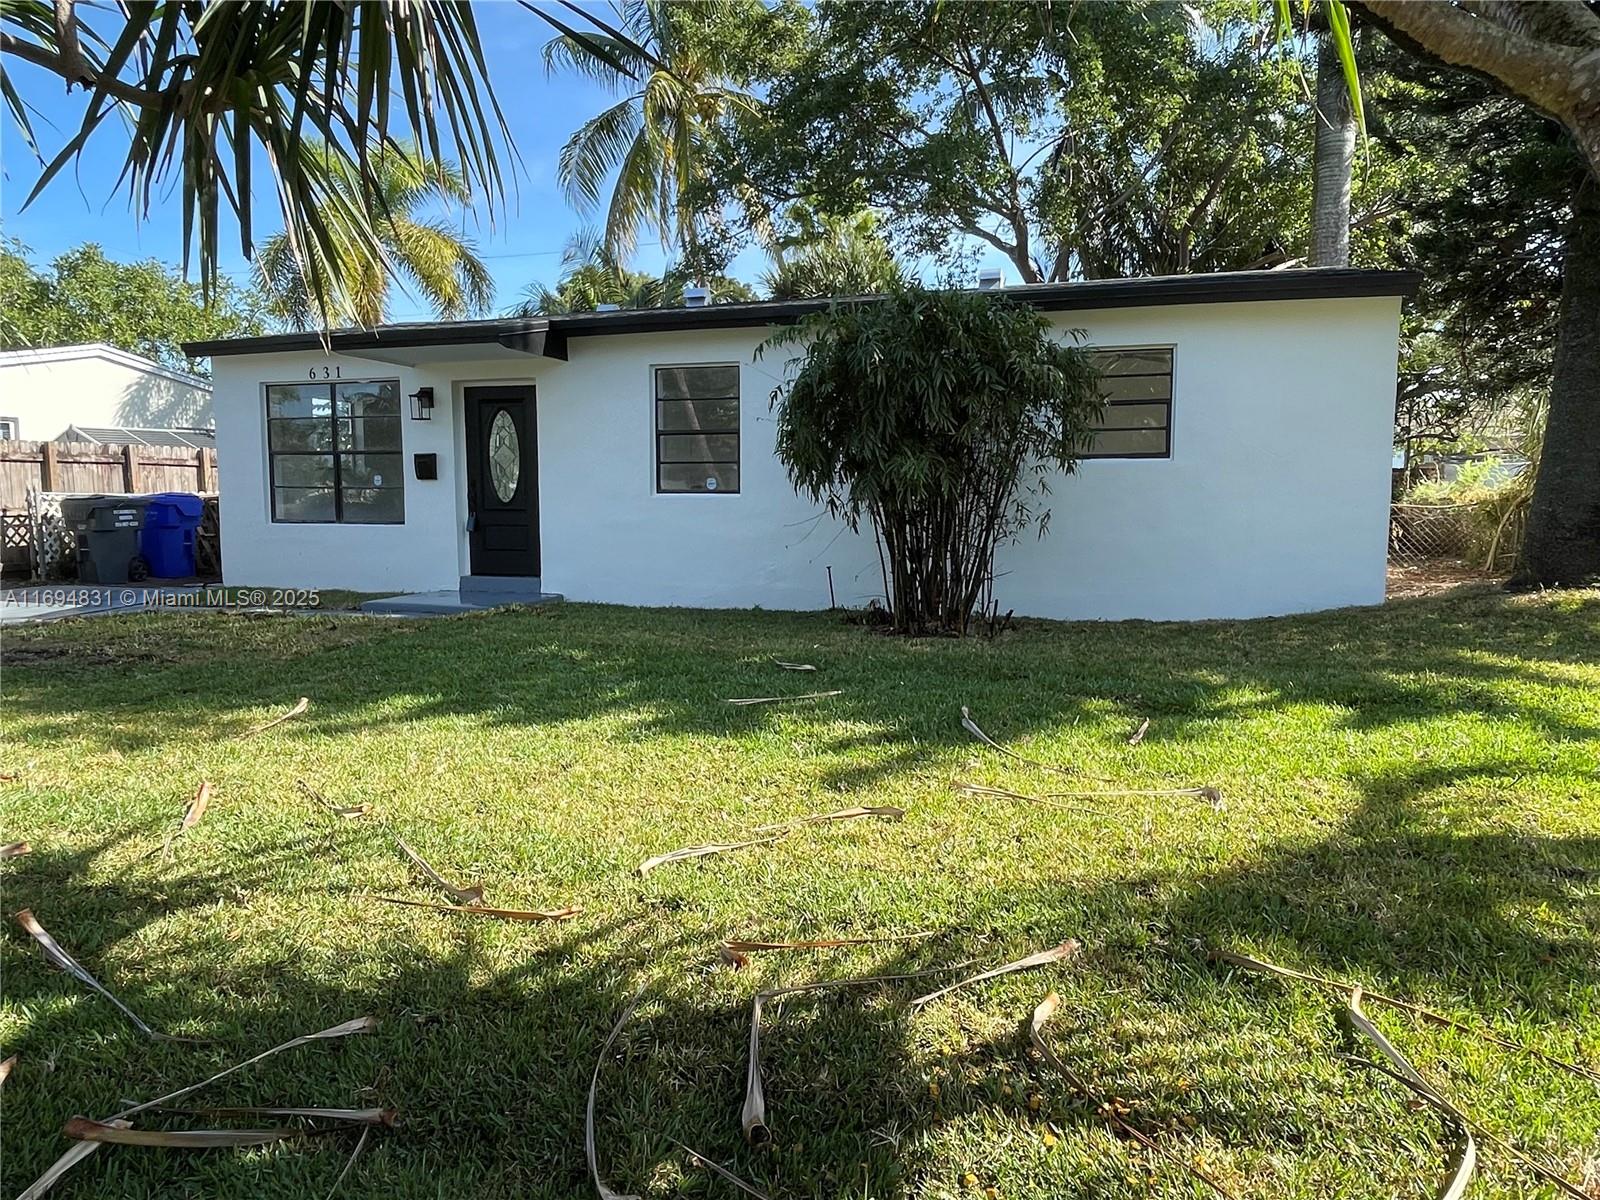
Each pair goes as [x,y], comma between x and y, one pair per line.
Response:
[49,394]
[627,456]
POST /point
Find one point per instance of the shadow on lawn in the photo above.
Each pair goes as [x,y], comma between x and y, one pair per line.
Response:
[488,1053]
[672,671]
[487,1044]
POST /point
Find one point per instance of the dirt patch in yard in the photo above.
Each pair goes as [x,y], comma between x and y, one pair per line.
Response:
[1438,578]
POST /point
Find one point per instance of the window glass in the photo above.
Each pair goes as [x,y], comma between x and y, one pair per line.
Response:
[712,415]
[1133,416]
[1130,443]
[288,434]
[369,470]
[302,400]
[302,504]
[699,477]
[368,399]
[373,506]
[304,470]
[334,452]
[699,447]
[371,433]
[1136,385]
[697,429]
[696,383]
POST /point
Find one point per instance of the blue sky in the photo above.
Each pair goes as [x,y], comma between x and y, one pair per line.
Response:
[524,245]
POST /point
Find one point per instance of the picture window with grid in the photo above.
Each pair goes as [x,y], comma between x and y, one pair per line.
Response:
[333,452]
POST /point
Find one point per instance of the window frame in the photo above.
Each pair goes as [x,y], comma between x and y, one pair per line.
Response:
[333,451]
[10,429]
[658,433]
[1171,374]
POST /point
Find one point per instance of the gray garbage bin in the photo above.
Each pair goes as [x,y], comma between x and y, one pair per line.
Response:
[107,530]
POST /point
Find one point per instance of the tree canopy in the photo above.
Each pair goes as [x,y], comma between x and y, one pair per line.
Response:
[831,256]
[1077,140]
[592,275]
[1483,214]
[143,307]
[678,69]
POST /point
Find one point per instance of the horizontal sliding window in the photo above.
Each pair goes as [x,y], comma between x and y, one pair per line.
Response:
[333,452]
[697,429]
[1136,386]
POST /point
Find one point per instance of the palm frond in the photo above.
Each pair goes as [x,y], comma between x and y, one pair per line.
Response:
[595,150]
[594,56]
[205,88]
[637,197]
[444,267]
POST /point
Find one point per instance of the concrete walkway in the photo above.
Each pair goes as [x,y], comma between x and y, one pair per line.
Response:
[56,602]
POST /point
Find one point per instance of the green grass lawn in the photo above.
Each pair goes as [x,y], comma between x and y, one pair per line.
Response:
[1411,801]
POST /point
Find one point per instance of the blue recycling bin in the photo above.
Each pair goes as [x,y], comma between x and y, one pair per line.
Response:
[167,540]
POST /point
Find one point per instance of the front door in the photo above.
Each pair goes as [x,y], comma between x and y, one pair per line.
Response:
[502,480]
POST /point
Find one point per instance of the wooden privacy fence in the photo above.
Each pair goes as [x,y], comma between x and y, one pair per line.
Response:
[87,467]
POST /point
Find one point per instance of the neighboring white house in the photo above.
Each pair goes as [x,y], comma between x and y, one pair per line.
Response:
[628,456]
[43,392]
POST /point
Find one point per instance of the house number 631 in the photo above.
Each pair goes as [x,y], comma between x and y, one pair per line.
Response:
[325,373]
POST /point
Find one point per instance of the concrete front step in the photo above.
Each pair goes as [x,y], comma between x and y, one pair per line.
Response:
[443,603]
[502,589]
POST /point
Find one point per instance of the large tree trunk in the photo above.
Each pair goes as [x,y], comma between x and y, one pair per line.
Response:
[1334,158]
[1546,51]
[1562,545]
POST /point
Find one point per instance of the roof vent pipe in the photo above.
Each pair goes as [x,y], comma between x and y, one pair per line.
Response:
[991,279]
[696,297]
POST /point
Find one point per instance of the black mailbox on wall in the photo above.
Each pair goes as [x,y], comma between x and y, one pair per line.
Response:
[427,465]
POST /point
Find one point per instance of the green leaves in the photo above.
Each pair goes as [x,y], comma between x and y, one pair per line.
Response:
[651,147]
[439,263]
[205,85]
[593,275]
[142,307]
[932,414]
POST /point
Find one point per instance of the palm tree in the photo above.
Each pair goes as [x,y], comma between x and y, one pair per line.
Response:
[593,275]
[1332,160]
[442,266]
[1548,54]
[201,91]
[831,256]
[675,79]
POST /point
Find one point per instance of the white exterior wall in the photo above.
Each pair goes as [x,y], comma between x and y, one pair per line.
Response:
[1275,499]
[46,394]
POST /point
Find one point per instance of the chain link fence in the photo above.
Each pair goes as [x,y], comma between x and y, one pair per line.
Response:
[1483,535]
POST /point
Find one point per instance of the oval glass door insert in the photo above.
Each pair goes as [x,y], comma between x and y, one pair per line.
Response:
[505,456]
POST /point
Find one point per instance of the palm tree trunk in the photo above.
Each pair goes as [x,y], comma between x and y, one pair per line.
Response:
[1562,545]
[1335,152]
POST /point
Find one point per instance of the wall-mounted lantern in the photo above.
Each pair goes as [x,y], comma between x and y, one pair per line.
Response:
[422,404]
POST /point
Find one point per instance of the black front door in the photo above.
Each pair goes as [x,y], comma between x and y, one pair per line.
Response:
[503,480]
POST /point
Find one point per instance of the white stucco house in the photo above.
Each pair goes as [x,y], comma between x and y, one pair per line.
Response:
[627,456]
[46,393]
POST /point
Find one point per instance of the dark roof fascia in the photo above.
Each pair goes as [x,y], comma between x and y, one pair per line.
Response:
[548,335]
[384,337]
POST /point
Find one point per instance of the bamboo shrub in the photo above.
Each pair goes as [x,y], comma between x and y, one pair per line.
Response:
[938,416]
